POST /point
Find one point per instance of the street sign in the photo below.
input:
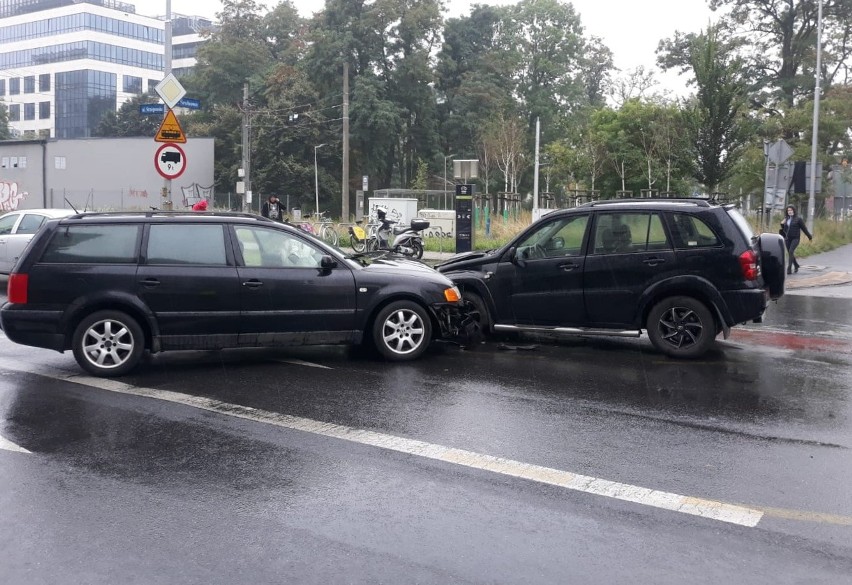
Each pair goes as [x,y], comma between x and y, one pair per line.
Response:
[170,161]
[779,151]
[170,90]
[152,109]
[170,130]
[189,103]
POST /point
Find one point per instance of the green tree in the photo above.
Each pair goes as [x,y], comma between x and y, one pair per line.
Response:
[782,37]
[128,121]
[5,131]
[715,120]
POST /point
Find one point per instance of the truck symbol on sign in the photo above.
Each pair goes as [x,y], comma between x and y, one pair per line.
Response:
[170,156]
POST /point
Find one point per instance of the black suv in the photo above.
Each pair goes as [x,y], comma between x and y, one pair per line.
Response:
[109,286]
[684,270]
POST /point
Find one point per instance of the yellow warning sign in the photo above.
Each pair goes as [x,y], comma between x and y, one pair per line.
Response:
[170,130]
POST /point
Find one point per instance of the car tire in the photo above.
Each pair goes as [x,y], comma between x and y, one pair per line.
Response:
[681,327]
[773,260]
[402,331]
[485,321]
[108,343]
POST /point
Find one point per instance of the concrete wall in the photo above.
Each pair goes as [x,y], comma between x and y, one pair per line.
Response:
[101,173]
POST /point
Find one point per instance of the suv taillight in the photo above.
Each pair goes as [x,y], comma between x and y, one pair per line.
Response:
[17,288]
[748,265]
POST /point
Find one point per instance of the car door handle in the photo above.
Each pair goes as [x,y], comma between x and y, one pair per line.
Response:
[568,266]
[653,261]
[253,283]
[149,282]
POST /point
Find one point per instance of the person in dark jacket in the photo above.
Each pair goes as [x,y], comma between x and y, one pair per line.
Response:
[792,228]
[273,209]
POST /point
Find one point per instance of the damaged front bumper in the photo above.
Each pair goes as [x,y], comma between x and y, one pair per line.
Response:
[458,322]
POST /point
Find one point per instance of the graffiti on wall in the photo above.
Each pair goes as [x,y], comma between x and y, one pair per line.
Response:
[10,196]
[195,193]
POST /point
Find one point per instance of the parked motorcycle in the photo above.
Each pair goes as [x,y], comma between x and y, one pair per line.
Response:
[407,240]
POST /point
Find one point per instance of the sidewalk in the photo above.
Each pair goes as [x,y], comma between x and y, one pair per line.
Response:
[826,275]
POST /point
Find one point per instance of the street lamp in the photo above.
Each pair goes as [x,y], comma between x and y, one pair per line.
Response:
[449,156]
[316,178]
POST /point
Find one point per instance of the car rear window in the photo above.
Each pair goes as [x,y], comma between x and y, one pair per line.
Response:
[689,231]
[742,224]
[93,244]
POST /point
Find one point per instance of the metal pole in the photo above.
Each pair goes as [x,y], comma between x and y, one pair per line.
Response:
[449,156]
[246,150]
[167,68]
[812,187]
[535,173]
[316,178]
[344,194]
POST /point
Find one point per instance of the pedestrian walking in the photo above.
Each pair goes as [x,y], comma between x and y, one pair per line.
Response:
[273,209]
[792,229]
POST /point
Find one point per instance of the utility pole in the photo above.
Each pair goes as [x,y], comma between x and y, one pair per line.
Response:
[246,147]
[814,141]
[167,68]
[345,179]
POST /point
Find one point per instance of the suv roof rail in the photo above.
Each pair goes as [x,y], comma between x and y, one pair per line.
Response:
[157,212]
[639,200]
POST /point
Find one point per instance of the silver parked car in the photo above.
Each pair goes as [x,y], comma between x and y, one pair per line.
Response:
[17,228]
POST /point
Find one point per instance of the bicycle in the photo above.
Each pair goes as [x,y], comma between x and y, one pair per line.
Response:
[359,236]
[323,228]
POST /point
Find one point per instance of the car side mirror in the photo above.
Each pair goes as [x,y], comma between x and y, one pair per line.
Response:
[517,258]
[327,262]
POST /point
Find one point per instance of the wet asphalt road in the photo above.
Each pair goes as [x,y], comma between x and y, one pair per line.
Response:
[254,467]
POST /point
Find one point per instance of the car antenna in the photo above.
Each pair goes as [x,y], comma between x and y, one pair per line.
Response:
[72,205]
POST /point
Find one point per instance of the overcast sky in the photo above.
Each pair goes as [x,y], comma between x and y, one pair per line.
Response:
[630,28]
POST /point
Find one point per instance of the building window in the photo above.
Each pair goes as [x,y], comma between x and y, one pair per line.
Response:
[152,85]
[43,110]
[82,99]
[44,82]
[132,84]
[14,112]
[59,162]
[2,87]
[29,111]
[29,84]
[14,85]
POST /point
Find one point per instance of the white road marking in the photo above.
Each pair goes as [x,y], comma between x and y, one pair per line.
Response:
[705,508]
[304,363]
[10,446]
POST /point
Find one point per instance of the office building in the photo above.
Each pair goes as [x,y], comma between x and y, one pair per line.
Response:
[64,63]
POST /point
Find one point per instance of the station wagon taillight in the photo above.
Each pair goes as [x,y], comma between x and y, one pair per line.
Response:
[748,265]
[16,290]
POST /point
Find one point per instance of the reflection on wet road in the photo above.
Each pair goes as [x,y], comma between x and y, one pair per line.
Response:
[318,465]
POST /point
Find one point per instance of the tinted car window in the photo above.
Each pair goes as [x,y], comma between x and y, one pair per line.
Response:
[689,231]
[267,248]
[7,223]
[563,237]
[186,244]
[619,233]
[30,224]
[101,244]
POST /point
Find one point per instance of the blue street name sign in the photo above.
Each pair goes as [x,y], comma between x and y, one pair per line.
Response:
[189,103]
[152,109]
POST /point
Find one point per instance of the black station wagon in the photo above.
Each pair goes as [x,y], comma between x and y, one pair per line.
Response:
[110,286]
[684,270]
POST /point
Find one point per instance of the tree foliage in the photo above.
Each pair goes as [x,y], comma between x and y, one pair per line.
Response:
[128,121]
